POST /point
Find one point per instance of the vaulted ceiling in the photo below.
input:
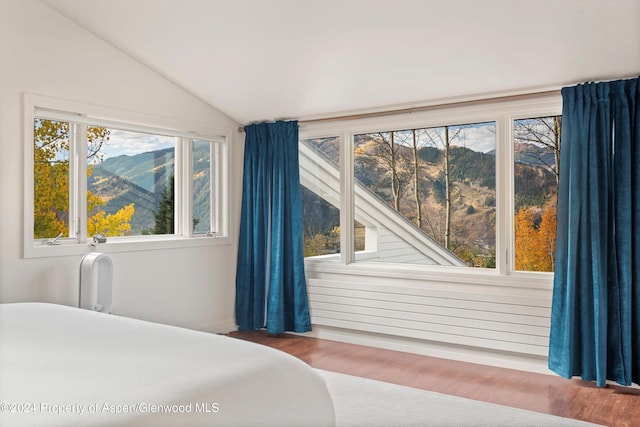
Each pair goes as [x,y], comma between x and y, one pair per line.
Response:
[268,59]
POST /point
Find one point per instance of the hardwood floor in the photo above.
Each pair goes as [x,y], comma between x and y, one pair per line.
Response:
[611,406]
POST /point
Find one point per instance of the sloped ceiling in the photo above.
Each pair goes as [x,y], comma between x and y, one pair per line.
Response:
[268,59]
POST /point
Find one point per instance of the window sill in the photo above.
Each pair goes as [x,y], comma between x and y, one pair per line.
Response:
[418,274]
[115,245]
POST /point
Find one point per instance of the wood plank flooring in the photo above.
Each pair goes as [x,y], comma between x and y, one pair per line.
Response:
[611,406]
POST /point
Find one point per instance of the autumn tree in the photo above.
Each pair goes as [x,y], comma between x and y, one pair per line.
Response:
[443,139]
[380,150]
[51,183]
[542,132]
[322,244]
[415,150]
[537,151]
[320,219]
[116,224]
[535,232]
[410,139]
[51,178]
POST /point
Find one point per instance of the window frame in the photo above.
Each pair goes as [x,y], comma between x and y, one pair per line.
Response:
[36,106]
[501,111]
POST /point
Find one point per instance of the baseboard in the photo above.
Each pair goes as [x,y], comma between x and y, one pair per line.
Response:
[222,327]
[433,349]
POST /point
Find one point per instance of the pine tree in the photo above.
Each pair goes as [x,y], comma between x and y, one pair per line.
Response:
[164,215]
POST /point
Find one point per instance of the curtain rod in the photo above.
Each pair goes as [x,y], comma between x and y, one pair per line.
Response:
[410,110]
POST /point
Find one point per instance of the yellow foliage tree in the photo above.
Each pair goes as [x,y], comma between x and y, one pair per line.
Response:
[116,224]
[51,183]
[322,244]
[535,239]
[51,179]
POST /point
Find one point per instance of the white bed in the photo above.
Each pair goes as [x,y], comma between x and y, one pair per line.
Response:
[64,366]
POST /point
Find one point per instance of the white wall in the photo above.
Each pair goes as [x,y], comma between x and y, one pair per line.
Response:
[43,53]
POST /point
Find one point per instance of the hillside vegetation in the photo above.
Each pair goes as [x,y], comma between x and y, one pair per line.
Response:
[390,172]
[142,179]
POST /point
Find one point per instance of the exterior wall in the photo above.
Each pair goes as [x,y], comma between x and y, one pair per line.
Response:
[390,248]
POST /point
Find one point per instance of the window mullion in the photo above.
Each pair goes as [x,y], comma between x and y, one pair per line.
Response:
[347,216]
[214,185]
[78,173]
[183,200]
[504,195]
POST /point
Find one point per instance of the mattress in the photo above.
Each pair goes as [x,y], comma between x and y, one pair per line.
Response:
[64,366]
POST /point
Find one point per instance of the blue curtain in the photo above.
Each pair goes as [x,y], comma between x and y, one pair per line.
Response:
[595,316]
[271,289]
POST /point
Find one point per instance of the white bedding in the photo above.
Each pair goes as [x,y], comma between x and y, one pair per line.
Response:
[63,366]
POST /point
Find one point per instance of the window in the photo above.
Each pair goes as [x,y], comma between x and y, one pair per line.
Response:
[470,187]
[130,183]
[320,181]
[536,146]
[88,176]
[441,180]
[203,204]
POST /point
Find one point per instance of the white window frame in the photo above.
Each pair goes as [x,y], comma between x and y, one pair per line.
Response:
[36,106]
[503,113]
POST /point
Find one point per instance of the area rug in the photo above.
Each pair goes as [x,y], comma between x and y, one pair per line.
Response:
[364,402]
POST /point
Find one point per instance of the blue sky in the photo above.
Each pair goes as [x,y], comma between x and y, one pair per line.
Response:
[132,143]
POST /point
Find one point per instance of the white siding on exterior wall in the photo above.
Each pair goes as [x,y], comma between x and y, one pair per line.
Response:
[390,248]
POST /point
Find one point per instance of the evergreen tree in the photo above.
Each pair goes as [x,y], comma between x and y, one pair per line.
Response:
[164,215]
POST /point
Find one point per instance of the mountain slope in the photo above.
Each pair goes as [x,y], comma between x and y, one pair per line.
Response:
[141,179]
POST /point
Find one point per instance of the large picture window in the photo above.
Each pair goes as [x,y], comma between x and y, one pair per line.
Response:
[92,177]
[466,187]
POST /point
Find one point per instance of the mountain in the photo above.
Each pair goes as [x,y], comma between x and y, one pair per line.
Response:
[533,155]
[472,179]
[141,179]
